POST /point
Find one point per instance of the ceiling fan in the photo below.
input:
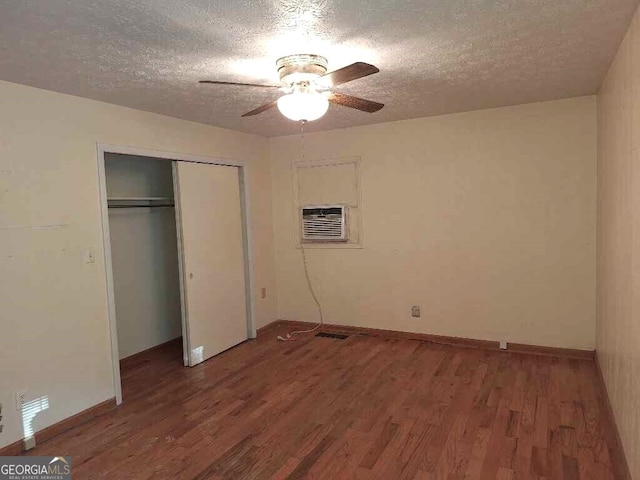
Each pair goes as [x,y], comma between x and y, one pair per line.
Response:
[308,87]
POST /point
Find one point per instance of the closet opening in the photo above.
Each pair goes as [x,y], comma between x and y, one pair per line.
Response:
[177,263]
[144,260]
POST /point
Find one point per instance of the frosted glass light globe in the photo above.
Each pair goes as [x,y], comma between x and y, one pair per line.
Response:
[306,105]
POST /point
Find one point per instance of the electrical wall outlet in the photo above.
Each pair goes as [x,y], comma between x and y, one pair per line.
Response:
[503,344]
[21,399]
[415,311]
[263,292]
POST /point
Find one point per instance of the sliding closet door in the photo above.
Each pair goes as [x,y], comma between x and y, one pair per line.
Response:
[212,264]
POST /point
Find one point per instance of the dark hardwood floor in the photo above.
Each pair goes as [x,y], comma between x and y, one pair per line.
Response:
[360,408]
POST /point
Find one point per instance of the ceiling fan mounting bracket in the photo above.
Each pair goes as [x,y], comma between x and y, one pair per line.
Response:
[301,68]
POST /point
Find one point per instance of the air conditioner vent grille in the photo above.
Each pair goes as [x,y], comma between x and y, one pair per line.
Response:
[324,224]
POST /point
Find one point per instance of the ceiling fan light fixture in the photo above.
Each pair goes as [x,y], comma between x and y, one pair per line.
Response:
[303,104]
[308,87]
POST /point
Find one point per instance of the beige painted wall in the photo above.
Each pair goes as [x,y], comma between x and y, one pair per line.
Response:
[484,219]
[55,332]
[618,324]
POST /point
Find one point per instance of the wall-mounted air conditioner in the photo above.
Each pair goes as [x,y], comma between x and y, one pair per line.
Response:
[324,223]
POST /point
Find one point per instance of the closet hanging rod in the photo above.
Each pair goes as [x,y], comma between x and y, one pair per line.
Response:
[142,206]
[140,199]
[139,202]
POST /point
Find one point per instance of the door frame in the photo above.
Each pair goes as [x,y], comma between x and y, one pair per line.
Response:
[249,265]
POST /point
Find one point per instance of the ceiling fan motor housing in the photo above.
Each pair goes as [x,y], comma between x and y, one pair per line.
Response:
[301,68]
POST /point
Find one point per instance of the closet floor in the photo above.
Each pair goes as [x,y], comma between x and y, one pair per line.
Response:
[357,408]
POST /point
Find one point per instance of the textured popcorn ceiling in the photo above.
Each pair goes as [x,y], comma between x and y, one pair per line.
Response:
[435,56]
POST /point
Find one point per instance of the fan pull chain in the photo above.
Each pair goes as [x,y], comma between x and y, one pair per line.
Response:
[292,335]
[303,123]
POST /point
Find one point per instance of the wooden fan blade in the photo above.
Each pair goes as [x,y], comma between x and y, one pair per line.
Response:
[261,109]
[354,102]
[347,74]
[217,82]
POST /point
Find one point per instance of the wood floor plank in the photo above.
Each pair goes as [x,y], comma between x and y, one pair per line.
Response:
[360,408]
[478,454]
[505,474]
[381,442]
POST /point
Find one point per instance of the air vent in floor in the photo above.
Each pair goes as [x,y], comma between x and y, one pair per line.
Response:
[339,336]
